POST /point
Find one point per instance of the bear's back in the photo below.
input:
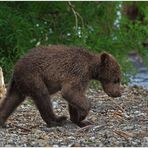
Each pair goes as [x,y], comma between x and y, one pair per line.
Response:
[56,61]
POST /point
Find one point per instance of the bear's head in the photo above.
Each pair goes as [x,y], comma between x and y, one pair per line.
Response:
[110,75]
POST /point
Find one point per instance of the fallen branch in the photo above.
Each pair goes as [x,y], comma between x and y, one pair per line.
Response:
[99,127]
[84,128]
[123,134]
[20,127]
[76,14]
[117,105]
[118,115]
[141,134]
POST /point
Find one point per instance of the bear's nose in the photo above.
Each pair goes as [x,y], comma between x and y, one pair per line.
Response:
[117,94]
[114,95]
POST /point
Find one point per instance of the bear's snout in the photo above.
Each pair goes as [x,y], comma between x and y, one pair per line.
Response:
[114,93]
[117,94]
[112,90]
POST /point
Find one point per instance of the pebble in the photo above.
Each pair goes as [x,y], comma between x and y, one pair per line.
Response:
[55,145]
[55,104]
[128,128]
[76,145]
[93,119]
[145,142]
[71,138]
[7,145]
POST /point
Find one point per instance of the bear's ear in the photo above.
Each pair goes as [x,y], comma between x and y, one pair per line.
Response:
[104,58]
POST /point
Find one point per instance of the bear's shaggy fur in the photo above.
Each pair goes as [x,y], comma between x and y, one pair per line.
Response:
[46,70]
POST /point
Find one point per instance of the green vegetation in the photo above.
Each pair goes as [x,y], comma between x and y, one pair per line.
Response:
[115,27]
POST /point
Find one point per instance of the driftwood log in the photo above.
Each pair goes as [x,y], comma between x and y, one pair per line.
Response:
[2,84]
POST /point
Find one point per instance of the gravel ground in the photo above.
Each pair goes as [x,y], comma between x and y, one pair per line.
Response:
[117,122]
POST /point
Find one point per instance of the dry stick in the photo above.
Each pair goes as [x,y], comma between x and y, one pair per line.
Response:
[26,129]
[123,134]
[81,19]
[76,14]
[34,126]
[98,127]
[117,105]
[126,135]
[84,128]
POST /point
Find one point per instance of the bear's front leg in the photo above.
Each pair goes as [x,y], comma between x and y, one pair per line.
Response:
[77,117]
[79,106]
[41,97]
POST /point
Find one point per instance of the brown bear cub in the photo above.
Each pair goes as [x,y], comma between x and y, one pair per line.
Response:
[46,70]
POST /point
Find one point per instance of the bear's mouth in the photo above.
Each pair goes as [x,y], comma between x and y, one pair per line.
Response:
[114,95]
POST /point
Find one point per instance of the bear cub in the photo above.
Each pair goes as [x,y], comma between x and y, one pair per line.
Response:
[46,70]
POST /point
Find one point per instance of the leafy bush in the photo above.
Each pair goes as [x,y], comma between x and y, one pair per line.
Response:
[25,25]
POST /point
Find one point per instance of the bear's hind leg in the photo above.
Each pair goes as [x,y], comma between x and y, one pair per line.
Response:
[12,100]
[42,100]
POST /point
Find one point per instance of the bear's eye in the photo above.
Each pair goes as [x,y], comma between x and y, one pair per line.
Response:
[103,80]
[116,81]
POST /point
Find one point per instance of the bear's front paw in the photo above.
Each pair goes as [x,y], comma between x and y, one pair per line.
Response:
[61,119]
[2,122]
[58,122]
[84,123]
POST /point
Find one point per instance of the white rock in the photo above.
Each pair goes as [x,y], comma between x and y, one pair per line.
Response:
[145,142]
[55,104]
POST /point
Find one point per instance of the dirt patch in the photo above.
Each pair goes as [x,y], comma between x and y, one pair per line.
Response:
[121,121]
